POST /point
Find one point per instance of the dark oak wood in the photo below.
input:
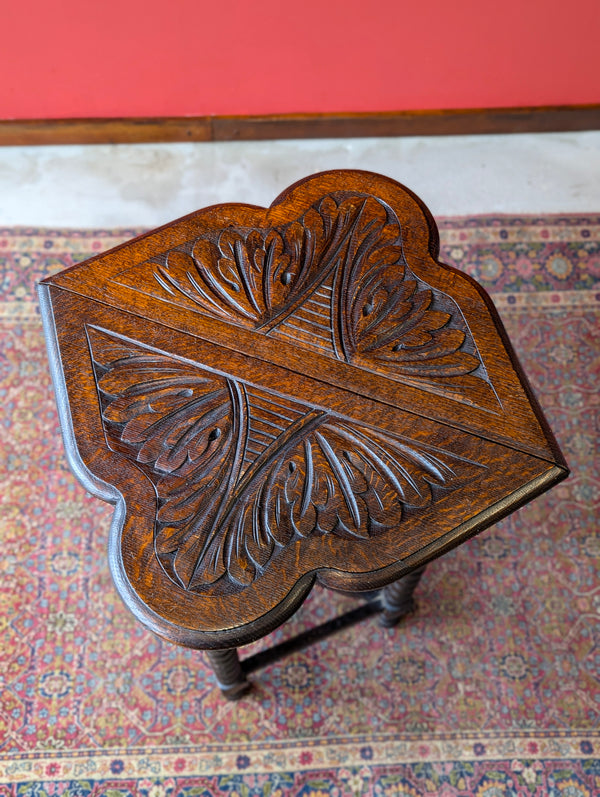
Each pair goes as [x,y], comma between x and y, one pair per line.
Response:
[135,130]
[228,670]
[398,600]
[467,121]
[472,121]
[273,396]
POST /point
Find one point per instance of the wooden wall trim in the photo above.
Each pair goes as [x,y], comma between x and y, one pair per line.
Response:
[260,128]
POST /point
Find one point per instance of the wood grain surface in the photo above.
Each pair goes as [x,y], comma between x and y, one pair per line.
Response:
[476,121]
[283,394]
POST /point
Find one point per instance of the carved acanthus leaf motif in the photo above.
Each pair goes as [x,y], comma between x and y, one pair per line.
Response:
[241,474]
[256,274]
[399,326]
[335,280]
[243,275]
[336,479]
[177,422]
[176,415]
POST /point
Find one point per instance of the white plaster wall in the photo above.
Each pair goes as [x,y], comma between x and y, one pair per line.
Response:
[150,184]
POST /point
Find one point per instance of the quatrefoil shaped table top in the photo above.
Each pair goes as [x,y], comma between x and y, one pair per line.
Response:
[273,396]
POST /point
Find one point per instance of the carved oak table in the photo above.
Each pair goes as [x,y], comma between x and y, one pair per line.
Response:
[276,396]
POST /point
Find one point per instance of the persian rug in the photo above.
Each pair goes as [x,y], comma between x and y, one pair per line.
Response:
[492,687]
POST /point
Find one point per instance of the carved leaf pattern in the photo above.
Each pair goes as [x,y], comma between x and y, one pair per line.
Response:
[176,421]
[254,274]
[337,479]
[322,475]
[397,325]
[382,316]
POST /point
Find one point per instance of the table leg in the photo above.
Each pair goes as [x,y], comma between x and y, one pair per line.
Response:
[397,598]
[228,670]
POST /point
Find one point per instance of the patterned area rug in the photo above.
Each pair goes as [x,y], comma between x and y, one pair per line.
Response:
[491,688]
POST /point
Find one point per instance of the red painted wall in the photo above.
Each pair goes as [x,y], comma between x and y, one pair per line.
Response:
[85,58]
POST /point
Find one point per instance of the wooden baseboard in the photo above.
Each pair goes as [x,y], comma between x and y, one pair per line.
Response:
[29,132]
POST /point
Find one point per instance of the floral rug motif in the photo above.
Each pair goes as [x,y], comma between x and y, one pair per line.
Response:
[492,687]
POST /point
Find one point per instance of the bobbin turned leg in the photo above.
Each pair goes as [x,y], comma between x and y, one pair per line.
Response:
[397,598]
[230,677]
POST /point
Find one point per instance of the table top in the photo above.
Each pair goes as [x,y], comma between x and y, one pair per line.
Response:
[273,396]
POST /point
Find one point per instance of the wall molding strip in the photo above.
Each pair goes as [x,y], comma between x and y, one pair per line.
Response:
[31,132]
